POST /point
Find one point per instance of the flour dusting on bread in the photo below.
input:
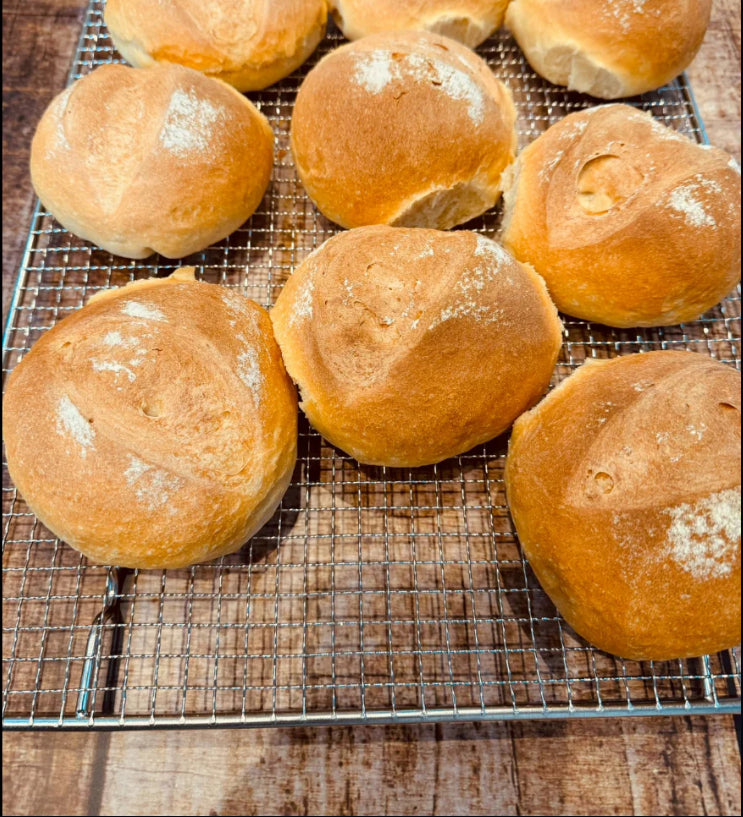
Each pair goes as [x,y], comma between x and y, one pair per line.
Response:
[153,487]
[375,70]
[303,306]
[71,422]
[704,536]
[249,369]
[59,106]
[147,312]
[685,200]
[189,123]
[113,366]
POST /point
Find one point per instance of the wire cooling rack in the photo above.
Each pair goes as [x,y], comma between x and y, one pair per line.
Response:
[373,594]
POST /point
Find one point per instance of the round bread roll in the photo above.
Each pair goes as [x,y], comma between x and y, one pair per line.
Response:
[624,486]
[156,427]
[628,222]
[609,48]
[411,346]
[250,44]
[405,128]
[164,160]
[468,21]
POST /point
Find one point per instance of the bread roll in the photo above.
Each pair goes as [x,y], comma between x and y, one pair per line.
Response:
[628,222]
[248,43]
[609,48]
[411,346]
[156,427]
[164,160]
[468,21]
[406,128]
[624,486]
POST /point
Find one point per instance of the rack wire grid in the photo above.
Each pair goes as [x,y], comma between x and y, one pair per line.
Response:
[373,594]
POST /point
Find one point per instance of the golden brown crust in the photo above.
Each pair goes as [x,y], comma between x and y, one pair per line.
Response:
[468,21]
[628,222]
[624,486]
[403,128]
[612,48]
[249,44]
[155,427]
[410,346]
[161,160]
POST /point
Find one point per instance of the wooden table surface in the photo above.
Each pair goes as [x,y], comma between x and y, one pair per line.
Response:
[686,765]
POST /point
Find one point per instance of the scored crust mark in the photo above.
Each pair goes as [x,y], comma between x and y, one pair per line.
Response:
[598,483]
[152,408]
[605,182]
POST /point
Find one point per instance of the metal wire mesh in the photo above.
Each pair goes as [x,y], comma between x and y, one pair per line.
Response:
[373,594]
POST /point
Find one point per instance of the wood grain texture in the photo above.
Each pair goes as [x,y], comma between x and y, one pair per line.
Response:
[638,766]
[642,766]
[715,77]
[39,43]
